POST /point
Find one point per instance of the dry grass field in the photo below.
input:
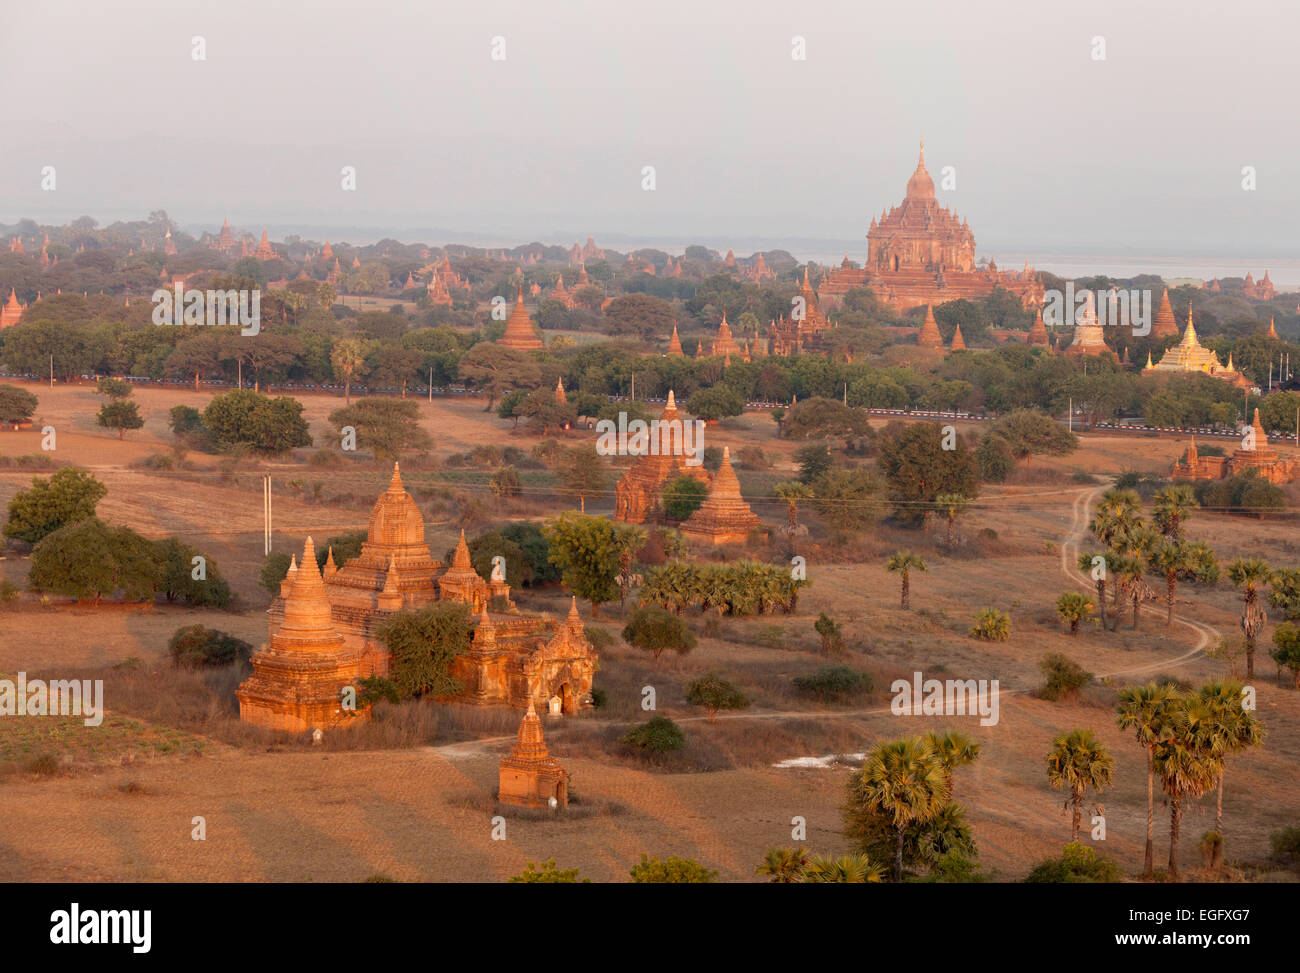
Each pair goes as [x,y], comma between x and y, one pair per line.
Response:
[119,800]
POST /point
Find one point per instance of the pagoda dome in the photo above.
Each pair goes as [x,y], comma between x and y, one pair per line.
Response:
[920,186]
[395,520]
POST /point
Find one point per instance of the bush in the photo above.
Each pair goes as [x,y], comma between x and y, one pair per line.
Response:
[1286,846]
[114,388]
[178,581]
[375,688]
[1064,677]
[994,458]
[653,630]
[505,483]
[834,683]
[548,874]
[90,560]
[660,735]
[69,496]
[1077,864]
[256,421]
[831,636]
[714,693]
[16,404]
[682,496]
[991,625]
[673,869]
[274,568]
[197,647]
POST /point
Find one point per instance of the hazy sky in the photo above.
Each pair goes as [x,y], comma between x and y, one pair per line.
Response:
[1054,152]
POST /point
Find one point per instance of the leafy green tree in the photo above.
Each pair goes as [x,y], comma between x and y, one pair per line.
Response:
[495,369]
[814,460]
[1250,574]
[1284,593]
[829,631]
[714,693]
[1143,709]
[1029,432]
[1286,652]
[589,551]
[1077,762]
[585,474]
[505,483]
[68,496]
[1073,608]
[179,570]
[653,630]
[715,402]
[114,388]
[652,871]
[846,499]
[90,560]
[387,427]
[274,569]
[658,736]
[903,563]
[792,491]
[682,496]
[1099,571]
[834,683]
[918,469]
[16,404]
[423,644]
[902,781]
[247,418]
[198,647]
[120,415]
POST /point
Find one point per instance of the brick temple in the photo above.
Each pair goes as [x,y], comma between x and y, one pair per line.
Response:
[920,253]
[513,657]
[1270,464]
[636,496]
[724,517]
[530,776]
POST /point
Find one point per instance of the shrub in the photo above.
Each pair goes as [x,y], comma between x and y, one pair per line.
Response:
[375,688]
[274,568]
[505,483]
[68,496]
[991,625]
[90,560]
[197,647]
[548,874]
[682,496]
[653,630]
[673,869]
[659,735]
[834,683]
[1064,676]
[714,693]
[831,636]
[1286,846]
[1077,864]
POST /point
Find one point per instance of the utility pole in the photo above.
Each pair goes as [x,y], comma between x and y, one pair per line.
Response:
[51,371]
[430,384]
[266,514]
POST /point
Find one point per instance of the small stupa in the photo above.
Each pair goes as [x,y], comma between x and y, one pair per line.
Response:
[530,776]
[724,517]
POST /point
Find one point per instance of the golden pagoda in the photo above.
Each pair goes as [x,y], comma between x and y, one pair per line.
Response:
[724,517]
[1189,355]
[299,680]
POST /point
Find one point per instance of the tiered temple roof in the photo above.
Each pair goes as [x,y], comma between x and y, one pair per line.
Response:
[929,336]
[724,517]
[1089,338]
[1189,355]
[299,679]
[1164,325]
[530,776]
[520,332]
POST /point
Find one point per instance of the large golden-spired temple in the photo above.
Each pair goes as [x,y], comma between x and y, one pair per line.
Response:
[1189,355]
[920,253]
[514,659]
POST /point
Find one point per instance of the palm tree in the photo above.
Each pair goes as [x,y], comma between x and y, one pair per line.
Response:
[903,563]
[792,491]
[952,749]
[1131,571]
[1250,574]
[347,358]
[1118,511]
[785,865]
[1078,761]
[1173,505]
[1193,561]
[903,780]
[851,869]
[1234,728]
[1074,607]
[952,505]
[1098,571]
[1186,764]
[1142,709]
